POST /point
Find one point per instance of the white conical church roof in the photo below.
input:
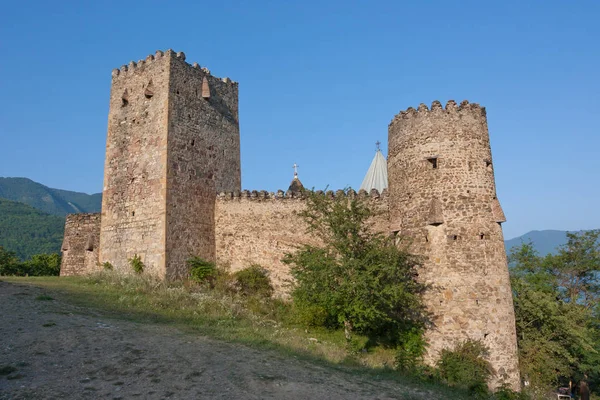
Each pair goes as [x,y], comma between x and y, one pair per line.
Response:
[376,177]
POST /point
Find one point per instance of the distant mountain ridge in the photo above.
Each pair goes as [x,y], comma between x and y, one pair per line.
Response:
[49,200]
[544,242]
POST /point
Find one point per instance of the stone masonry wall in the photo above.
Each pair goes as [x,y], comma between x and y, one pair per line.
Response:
[80,244]
[260,227]
[443,196]
[135,177]
[204,157]
[173,141]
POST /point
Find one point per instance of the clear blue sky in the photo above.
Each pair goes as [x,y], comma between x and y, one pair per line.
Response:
[319,83]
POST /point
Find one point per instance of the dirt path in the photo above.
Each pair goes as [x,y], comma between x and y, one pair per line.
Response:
[50,349]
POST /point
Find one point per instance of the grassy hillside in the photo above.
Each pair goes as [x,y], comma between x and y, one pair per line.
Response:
[48,200]
[28,231]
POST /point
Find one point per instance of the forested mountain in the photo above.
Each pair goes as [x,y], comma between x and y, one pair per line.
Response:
[544,242]
[48,200]
[28,231]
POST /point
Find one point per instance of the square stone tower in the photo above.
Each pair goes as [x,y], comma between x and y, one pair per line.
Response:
[173,142]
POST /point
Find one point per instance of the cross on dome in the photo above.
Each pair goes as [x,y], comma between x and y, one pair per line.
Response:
[295,166]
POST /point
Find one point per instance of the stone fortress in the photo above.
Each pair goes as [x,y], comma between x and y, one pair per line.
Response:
[172,189]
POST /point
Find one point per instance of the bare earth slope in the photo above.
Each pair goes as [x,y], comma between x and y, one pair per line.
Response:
[59,351]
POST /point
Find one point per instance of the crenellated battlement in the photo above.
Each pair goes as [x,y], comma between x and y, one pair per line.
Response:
[133,67]
[436,108]
[260,195]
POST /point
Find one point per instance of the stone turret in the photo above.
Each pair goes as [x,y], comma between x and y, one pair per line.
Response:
[443,196]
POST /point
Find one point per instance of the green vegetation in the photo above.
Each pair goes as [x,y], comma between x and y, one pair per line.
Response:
[37,265]
[48,200]
[27,231]
[107,266]
[136,264]
[201,270]
[253,281]
[358,280]
[465,366]
[557,309]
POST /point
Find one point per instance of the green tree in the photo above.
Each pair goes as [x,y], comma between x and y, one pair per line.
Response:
[9,263]
[43,265]
[357,279]
[556,310]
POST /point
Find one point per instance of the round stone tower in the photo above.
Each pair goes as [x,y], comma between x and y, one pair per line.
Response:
[443,200]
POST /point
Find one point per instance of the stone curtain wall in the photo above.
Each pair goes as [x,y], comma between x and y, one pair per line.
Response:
[204,157]
[260,227]
[443,196]
[173,141]
[80,244]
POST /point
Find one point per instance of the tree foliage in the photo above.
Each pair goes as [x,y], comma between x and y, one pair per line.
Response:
[357,279]
[27,231]
[466,367]
[557,311]
[37,265]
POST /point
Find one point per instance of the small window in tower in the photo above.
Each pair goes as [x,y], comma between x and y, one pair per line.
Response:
[488,165]
[193,142]
[433,161]
[133,213]
[125,99]
[482,236]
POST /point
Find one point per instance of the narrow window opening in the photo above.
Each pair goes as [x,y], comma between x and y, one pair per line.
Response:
[481,236]
[133,213]
[488,165]
[454,237]
[433,161]
[485,335]
[193,142]
[477,302]
[178,92]
[125,99]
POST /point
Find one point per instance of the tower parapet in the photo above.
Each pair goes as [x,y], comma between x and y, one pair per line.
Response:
[443,196]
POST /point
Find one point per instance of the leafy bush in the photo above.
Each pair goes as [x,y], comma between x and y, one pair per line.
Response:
[465,367]
[136,264]
[37,265]
[505,393]
[107,266]
[357,279]
[253,281]
[409,355]
[43,265]
[201,270]
[9,263]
